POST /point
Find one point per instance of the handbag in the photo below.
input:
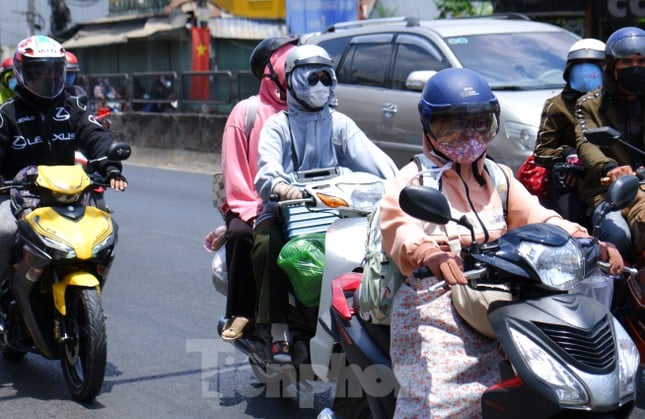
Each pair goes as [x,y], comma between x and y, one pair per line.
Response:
[219,193]
[534,177]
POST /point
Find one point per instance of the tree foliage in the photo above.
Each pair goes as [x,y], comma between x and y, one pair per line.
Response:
[463,8]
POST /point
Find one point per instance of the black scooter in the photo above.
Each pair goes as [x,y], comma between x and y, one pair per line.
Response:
[594,362]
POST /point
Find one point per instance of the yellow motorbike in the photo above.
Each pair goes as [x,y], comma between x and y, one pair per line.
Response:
[51,303]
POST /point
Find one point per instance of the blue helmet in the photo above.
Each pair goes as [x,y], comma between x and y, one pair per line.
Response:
[626,42]
[456,91]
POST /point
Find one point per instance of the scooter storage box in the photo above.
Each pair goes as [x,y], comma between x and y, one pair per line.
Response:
[298,220]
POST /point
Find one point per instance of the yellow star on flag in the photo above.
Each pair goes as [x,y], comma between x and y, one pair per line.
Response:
[201,49]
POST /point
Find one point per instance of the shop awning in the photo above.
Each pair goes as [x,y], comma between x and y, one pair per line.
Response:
[239,28]
[120,31]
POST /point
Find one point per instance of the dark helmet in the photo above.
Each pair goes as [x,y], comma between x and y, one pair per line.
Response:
[456,92]
[72,68]
[626,42]
[72,62]
[7,65]
[262,52]
[39,66]
[584,50]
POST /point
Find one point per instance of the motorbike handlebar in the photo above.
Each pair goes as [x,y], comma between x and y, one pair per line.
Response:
[7,185]
[307,201]
[471,275]
[639,173]
[604,266]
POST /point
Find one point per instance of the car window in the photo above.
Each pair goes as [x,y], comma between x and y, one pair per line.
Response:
[335,47]
[414,53]
[359,67]
[515,60]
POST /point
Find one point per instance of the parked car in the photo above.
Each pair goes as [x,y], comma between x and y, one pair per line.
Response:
[383,64]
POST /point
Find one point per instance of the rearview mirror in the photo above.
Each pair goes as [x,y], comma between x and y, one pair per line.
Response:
[602,136]
[119,151]
[606,136]
[622,192]
[425,203]
[417,80]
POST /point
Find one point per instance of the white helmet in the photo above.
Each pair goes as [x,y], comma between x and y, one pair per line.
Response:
[587,48]
[307,55]
[584,50]
[39,65]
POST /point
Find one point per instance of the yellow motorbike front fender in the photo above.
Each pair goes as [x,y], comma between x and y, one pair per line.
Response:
[80,279]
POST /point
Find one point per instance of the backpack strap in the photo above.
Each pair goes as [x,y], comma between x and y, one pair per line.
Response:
[429,171]
[251,113]
[500,180]
[431,176]
[249,120]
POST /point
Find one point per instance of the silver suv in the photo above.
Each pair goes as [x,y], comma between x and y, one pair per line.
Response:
[383,64]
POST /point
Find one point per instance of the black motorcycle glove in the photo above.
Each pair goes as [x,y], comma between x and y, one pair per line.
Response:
[112,172]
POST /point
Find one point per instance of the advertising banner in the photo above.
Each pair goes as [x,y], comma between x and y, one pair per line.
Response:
[315,15]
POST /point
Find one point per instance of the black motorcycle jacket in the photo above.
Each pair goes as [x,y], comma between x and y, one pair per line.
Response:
[48,132]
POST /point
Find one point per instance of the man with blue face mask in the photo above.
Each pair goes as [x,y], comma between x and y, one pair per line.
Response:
[309,135]
[555,148]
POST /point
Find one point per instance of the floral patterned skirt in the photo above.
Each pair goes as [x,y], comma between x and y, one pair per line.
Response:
[441,363]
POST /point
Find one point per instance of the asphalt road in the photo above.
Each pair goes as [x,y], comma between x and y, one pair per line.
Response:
[164,357]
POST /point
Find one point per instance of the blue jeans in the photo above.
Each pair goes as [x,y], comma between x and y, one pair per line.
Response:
[614,229]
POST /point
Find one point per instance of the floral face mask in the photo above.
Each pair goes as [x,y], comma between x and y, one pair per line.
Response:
[464,140]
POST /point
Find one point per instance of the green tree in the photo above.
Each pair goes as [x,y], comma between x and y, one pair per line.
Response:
[463,8]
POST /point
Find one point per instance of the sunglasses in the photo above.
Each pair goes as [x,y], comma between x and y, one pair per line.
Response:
[323,76]
[480,124]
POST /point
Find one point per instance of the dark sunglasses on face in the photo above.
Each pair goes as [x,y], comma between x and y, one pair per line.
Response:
[323,76]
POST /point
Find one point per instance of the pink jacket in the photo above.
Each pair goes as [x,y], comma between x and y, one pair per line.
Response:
[409,241]
[239,155]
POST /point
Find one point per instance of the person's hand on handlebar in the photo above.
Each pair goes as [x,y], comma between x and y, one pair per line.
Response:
[619,171]
[118,182]
[446,266]
[286,192]
[609,253]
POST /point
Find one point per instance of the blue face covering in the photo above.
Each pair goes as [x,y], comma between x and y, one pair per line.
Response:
[585,77]
[70,79]
[12,83]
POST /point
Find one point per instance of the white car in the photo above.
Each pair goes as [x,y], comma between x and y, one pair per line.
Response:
[383,64]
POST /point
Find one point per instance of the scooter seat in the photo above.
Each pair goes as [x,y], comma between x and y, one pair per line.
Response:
[379,333]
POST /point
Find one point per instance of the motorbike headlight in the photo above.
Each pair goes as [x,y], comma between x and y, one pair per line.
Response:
[521,135]
[64,251]
[65,198]
[628,361]
[108,241]
[366,197]
[547,369]
[559,267]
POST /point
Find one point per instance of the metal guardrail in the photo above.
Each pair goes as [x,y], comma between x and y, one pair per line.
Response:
[212,92]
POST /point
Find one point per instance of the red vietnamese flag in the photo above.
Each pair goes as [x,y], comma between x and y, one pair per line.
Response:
[199,89]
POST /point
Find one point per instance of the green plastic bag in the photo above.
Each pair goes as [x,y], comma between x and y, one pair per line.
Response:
[303,258]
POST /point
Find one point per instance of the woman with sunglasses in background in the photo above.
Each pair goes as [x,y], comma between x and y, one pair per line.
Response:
[309,135]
